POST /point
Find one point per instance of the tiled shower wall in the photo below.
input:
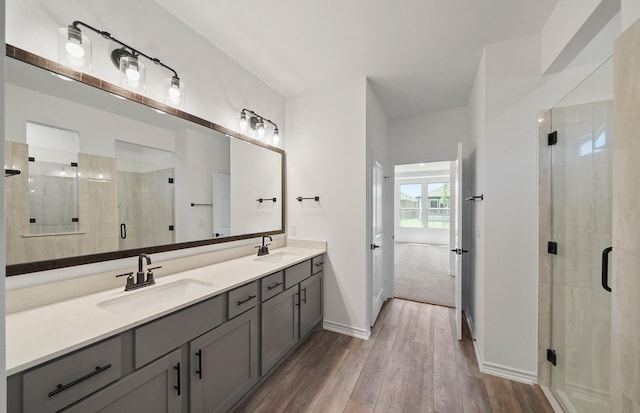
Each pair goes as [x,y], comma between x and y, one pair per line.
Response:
[97,211]
[625,315]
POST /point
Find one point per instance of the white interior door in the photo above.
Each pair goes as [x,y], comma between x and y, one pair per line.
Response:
[458,241]
[377,242]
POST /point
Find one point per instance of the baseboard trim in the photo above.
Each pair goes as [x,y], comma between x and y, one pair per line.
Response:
[346,330]
[555,403]
[469,321]
[505,372]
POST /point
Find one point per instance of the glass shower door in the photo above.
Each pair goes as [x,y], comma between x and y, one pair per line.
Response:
[581,226]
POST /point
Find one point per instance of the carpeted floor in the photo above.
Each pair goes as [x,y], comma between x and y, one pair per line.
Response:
[422,273]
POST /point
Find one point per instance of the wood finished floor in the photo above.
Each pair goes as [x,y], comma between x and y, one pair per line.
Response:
[412,363]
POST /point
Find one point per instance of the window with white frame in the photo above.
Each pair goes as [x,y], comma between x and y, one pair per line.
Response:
[435,214]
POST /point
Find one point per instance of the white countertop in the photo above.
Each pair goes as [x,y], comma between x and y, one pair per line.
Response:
[43,333]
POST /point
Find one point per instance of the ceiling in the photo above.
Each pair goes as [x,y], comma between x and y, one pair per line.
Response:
[420,55]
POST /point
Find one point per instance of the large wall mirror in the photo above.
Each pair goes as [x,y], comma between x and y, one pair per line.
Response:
[104,177]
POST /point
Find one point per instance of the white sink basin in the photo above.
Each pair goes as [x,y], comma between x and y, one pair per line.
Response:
[134,300]
[278,257]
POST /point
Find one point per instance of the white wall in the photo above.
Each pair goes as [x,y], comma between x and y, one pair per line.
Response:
[217,87]
[571,26]
[326,157]
[429,137]
[506,168]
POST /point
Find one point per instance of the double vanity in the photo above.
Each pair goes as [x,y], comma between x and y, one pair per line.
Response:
[195,341]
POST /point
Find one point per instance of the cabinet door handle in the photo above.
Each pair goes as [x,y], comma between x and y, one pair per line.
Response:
[177,386]
[304,290]
[123,231]
[199,371]
[62,387]
[297,299]
[272,286]
[249,298]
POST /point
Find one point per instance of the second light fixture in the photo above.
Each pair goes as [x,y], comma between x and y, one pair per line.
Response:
[250,119]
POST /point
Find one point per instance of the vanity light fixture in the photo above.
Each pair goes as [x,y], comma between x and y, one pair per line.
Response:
[250,119]
[74,49]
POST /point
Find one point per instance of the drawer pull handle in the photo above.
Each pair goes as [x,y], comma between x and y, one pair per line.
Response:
[62,387]
[246,300]
[199,371]
[177,386]
[272,286]
[317,264]
[304,290]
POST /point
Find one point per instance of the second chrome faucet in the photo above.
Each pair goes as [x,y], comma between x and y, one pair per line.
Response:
[264,249]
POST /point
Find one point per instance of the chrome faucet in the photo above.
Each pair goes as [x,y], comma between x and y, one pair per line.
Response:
[264,249]
[140,275]
[140,278]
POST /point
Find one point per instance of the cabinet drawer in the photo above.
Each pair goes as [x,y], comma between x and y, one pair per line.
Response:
[159,337]
[55,385]
[242,299]
[317,263]
[293,275]
[272,285]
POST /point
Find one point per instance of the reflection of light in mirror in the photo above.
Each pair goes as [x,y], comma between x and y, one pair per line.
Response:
[100,176]
[32,191]
[540,120]
[68,79]
[586,149]
[601,140]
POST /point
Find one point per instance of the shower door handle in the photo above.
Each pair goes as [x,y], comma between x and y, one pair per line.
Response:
[605,268]
[123,231]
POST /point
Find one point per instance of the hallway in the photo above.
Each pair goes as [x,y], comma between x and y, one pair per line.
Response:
[422,273]
[412,363]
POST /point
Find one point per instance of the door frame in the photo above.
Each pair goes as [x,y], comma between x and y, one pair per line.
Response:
[461,210]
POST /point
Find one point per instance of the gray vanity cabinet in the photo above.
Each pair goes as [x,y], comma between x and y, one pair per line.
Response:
[156,388]
[279,327]
[224,364]
[290,315]
[310,303]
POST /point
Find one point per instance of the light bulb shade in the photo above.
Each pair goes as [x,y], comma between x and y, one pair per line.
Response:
[74,49]
[175,91]
[260,129]
[276,137]
[133,73]
[244,123]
